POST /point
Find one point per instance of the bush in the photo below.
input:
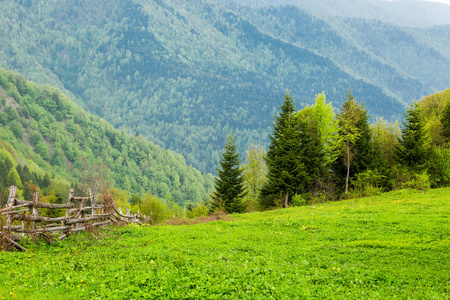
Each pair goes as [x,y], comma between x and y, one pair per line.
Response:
[438,167]
[367,183]
[197,210]
[298,200]
[418,182]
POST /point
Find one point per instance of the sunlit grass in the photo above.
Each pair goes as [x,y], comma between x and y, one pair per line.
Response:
[396,245]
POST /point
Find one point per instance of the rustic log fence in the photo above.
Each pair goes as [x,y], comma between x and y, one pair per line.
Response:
[82,213]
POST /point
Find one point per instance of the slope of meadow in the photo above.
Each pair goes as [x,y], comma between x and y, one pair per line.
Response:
[395,245]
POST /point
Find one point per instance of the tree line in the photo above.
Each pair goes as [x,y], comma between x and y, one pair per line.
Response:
[318,154]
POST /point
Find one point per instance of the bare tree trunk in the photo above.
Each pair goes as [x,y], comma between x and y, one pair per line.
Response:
[286,201]
[348,167]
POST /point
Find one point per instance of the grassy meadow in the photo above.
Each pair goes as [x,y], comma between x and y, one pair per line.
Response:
[392,246]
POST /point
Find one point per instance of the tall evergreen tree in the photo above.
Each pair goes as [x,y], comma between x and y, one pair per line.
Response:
[287,174]
[411,151]
[229,185]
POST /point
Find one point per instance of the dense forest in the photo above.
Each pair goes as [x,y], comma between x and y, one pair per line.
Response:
[50,142]
[320,154]
[406,13]
[185,74]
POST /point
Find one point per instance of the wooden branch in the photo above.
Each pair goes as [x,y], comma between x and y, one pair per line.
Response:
[14,212]
[42,219]
[87,219]
[46,205]
[122,215]
[14,207]
[16,245]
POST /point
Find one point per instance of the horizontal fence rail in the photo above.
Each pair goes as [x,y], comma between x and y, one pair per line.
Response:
[22,217]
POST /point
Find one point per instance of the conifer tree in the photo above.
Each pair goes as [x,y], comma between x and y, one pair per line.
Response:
[411,151]
[287,174]
[229,185]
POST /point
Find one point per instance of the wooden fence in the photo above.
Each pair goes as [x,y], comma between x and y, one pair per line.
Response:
[81,213]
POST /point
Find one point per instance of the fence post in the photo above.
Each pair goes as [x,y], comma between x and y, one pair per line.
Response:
[69,200]
[93,202]
[9,204]
[35,210]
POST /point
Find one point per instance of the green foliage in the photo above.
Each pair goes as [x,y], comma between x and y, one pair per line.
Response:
[158,210]
[13,178]
[321,142]
[254,172]
[368,183]
[16,129]
[438,166]
[197,210]
[229,185]
[153,208]
[418,182]
[68,144]
[287,174]
[354,137]
[161,81]
[298,200]
[411,150]
[446,122]
[386,246]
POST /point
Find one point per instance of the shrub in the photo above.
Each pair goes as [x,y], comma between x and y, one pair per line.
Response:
[367,183]
[298,200]
[438,167]
[418,182]
[197,210]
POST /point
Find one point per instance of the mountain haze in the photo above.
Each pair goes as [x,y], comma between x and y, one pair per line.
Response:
[407,13]
[186,73]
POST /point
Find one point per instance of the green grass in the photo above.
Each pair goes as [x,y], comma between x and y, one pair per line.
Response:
[394,246]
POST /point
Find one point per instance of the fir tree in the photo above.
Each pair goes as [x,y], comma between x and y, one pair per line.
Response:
[411,151]
[287,174]
[229,185]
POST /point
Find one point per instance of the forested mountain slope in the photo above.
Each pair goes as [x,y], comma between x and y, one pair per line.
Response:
[186,73]
[43,131]
[403,61]
[409,13]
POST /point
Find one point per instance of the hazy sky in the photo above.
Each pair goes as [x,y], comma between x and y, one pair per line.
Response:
[442,1]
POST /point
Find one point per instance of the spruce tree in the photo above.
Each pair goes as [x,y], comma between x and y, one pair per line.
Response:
[411,151]
[287,174]
[229,185]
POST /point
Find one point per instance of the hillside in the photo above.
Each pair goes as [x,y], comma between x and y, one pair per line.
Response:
[390,246]
[44,131]
[186,73]
[406,13]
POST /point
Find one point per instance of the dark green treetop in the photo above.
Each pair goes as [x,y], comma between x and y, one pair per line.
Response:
[287,174]
[411,150]
[229,185]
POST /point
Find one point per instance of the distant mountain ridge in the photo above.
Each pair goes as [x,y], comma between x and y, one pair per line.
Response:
[186,73]
[407,13]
